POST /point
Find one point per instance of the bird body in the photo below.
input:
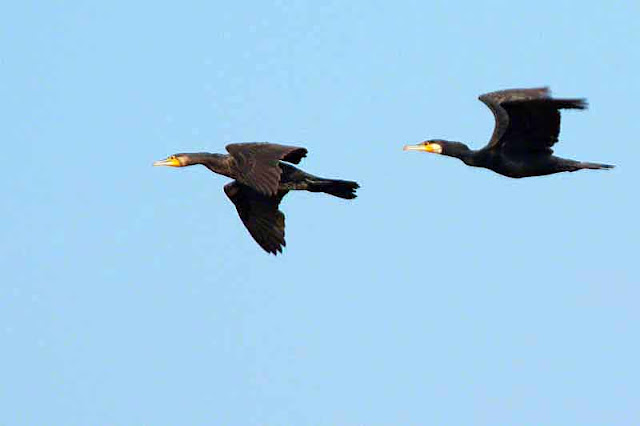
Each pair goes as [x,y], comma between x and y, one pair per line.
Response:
[519,164]
[527,126]
[262,177]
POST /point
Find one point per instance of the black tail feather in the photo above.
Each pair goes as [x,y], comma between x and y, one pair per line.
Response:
[339,188]
[595,166]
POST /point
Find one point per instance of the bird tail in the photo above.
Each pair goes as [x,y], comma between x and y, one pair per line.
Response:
[338,188]
[594,166]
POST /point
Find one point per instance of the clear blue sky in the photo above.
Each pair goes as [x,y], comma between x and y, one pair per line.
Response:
[443,295]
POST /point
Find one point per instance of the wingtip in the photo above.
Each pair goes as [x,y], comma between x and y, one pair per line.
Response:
[582,103]
[578,103]
[275,251]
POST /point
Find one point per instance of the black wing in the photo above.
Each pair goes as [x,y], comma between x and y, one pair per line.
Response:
[256,164]
[260,215]
[526,119]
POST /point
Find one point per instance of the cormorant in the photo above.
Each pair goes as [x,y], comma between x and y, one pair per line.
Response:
[527,126]
[261,180]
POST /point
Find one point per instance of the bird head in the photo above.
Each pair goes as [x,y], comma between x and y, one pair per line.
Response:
[435,146]
[176,160]
[440,146]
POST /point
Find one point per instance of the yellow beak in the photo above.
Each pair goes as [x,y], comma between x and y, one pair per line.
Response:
[172,162]
[430,147]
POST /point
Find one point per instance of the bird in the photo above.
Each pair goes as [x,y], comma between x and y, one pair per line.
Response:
[262,177]
[527,125]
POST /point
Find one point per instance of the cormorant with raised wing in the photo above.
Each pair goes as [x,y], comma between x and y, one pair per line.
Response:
[527,126]
[262,178]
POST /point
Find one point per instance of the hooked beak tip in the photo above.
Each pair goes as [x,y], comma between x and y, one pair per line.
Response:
[412,148]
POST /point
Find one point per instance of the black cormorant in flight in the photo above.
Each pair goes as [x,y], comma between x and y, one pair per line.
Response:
[262,178]
[527,126]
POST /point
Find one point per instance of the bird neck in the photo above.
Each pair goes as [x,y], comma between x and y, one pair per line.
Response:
[460,151]
[217,163]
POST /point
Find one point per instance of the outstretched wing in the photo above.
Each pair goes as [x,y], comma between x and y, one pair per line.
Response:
[526,119]
[494,101]
[260,215]
[256,164]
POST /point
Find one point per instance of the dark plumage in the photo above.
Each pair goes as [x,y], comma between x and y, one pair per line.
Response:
[527,126]
[262,178]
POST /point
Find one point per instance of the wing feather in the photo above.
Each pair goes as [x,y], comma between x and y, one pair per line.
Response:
[527,120]
[260,215]
[257,164]
[494,101]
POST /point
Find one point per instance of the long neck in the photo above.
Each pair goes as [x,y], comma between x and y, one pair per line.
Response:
[217,163]
[462,152]
[471,158]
